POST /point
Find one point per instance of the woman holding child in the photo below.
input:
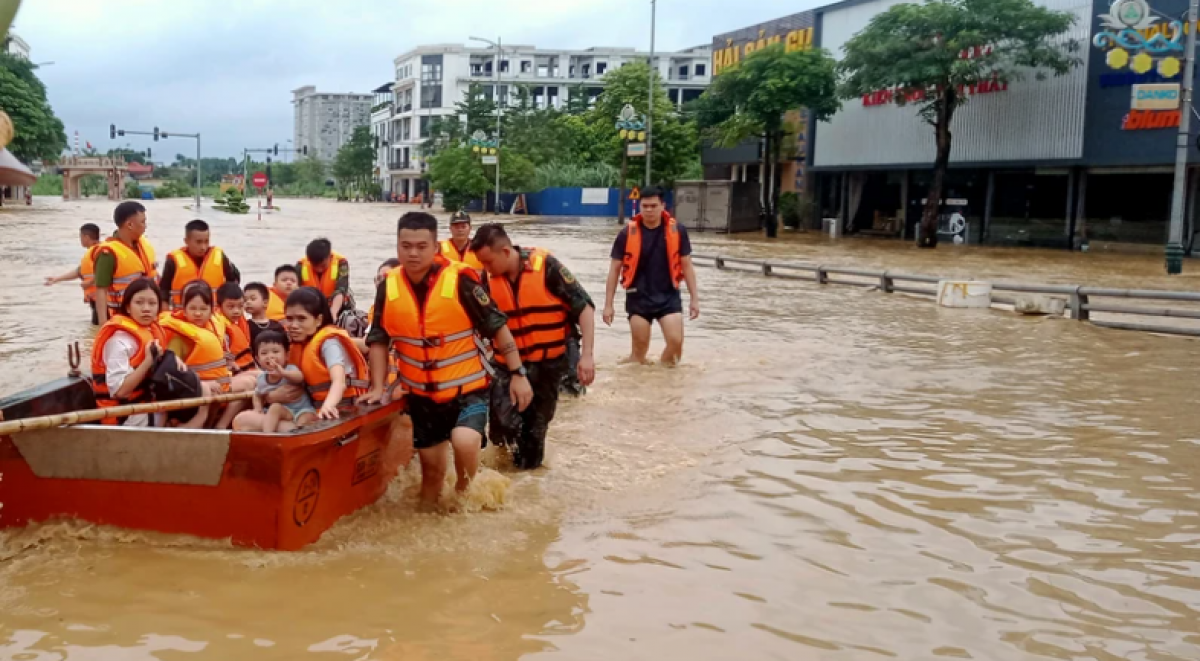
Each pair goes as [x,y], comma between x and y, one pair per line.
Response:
[331,366]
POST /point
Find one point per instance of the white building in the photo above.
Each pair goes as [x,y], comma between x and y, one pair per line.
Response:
[325,121]
[430,80]
[15,45]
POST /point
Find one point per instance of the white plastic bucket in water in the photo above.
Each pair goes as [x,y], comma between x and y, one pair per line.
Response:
[964,294]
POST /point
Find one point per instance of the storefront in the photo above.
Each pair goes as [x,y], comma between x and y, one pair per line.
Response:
[742,163]
[1015,162]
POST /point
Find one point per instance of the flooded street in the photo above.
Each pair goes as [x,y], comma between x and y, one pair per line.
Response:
[830,474]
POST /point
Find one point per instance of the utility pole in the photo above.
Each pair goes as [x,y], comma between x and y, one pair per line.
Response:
[499,51]
[650,102]
[1182,146]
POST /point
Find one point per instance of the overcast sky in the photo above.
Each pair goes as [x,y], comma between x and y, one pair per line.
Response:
[226,69]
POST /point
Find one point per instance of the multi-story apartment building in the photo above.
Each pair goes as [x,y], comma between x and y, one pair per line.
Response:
[430,80]
[324,121]
[16,46]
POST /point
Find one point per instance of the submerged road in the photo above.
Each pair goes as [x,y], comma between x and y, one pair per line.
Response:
[830,474]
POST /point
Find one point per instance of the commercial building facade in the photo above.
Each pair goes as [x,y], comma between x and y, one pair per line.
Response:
[432,79]
[1062,162]
[324,121]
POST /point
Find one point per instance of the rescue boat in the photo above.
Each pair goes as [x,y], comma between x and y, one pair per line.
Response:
[270,491]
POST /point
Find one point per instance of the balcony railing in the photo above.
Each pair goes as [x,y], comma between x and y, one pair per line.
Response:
[400,165]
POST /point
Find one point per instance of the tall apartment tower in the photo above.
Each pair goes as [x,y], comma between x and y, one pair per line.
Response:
[325,121]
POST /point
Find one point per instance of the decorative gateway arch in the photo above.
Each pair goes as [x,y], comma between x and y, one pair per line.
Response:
[73,168]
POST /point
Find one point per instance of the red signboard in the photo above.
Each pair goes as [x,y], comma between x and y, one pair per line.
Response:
[260,180]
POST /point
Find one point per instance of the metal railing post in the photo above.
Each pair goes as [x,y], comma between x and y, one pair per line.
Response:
[886,283]
[766,268]
[1079,302]
[822,276]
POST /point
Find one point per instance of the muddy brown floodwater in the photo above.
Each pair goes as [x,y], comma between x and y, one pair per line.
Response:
[831,474]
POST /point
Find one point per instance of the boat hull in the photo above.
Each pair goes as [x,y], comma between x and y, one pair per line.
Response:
[272,491]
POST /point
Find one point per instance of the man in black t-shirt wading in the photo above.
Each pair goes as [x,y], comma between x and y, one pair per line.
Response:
[650,258]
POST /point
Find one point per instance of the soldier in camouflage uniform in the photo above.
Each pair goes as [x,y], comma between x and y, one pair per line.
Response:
[545,306]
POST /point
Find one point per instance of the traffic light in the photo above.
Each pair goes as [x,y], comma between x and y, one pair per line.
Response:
[276,150]
[156,134]
[268,160]
[164,135]
[148,152]
[112,131]
[304,150]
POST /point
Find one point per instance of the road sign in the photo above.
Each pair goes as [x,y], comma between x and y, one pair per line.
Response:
[635,194]
[636,149]
[491,160]
[260,180]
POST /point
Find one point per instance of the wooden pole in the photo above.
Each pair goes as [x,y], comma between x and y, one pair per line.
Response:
[621,196]
[94,415]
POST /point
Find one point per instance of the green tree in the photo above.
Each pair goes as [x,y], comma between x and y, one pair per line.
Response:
[676,143]
[39,133]
[355,161]
[755,95]
[310,171]
[517,173]
[927,54]
[460,177]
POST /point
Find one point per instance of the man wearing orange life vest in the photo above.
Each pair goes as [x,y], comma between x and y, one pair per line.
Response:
[458,247]
[196,260]
[89,238]
[122,259]
[650,258]
[544,303]
[432,312]
[329,273]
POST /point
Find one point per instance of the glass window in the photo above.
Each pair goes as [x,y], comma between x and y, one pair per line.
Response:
[526,66]
[601,67]
[424,126]
[701,70]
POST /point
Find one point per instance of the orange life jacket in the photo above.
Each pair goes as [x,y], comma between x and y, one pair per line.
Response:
[237,344]
[633,250]
[144,335]
[87,273]
[326,282]
[438,352]
[207,356]
[131,265]
[537,318]
[275,305]
[211,270]
[451,253]
[393,371]
[316,374]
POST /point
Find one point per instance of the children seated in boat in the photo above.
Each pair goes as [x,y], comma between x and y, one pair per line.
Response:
[271,354]
[237,336]
[287,279]
[256,299]
[333,367]
[126,352]
[195,334]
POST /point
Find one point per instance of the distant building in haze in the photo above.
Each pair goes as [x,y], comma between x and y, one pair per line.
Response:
[325,121]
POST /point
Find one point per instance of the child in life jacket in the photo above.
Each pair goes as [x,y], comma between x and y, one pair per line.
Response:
[271,354]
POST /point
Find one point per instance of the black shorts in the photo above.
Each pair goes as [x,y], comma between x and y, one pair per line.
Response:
[433,421]
[635,305]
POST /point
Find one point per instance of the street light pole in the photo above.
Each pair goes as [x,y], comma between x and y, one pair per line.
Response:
[1182,146]
[650,100]
[499,51]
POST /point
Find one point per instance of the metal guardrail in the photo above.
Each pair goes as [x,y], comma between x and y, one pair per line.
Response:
[1078,298]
